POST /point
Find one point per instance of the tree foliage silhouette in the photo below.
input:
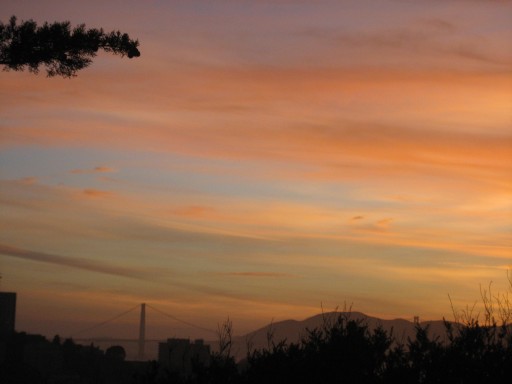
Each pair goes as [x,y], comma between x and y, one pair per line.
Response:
[58,47]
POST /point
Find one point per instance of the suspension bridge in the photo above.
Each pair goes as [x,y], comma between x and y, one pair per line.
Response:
[141,341]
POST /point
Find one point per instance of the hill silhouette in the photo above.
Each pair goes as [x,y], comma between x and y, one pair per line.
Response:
[292,331]
[326,348]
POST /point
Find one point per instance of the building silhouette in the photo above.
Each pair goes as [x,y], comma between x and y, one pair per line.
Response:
[7,313]
[179,355]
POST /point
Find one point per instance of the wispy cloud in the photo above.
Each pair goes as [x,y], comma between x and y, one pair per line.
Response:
[259,274]
[426,42]
[78,263]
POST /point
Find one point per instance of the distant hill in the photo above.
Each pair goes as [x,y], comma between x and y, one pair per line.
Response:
[293,330]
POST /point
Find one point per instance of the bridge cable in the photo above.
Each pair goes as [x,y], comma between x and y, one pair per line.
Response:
[182,321]
[106,321]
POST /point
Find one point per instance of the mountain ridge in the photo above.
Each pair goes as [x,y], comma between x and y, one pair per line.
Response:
[292,331]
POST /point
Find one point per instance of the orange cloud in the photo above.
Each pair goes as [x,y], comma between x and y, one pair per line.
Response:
[194,211]
[417,223]
[98,169]
[380,226]
[96,193]
[29,180]
[384,223]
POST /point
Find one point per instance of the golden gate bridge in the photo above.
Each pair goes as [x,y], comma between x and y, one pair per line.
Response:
[142,328]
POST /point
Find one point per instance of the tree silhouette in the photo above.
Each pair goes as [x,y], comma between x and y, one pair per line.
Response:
[62,50]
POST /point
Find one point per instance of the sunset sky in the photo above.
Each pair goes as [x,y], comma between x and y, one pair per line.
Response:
[260,160]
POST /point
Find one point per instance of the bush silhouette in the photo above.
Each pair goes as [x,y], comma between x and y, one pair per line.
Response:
[341,350]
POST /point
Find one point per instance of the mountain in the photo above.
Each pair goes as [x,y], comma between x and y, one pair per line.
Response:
[292,331]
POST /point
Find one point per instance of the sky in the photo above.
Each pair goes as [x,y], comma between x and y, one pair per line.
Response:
[262,161]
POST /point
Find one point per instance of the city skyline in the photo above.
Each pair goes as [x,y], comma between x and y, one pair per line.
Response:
[260,160]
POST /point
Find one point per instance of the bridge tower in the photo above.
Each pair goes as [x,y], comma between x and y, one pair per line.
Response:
[142,331]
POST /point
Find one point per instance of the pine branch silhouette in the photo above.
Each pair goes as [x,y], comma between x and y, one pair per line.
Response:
[62,50]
